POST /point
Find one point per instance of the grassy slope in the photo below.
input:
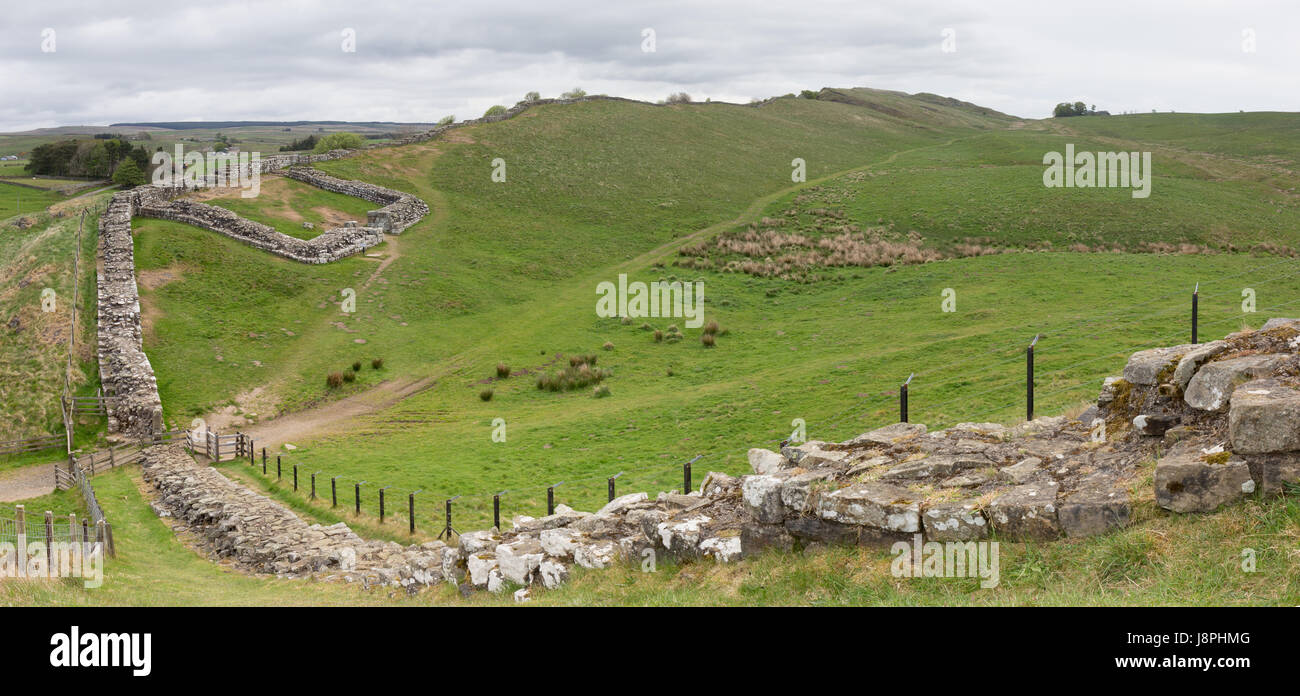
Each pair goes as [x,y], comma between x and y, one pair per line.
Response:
[535,247]
[33,357]
[830,353]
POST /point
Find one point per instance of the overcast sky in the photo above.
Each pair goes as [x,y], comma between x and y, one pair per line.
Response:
[209,60]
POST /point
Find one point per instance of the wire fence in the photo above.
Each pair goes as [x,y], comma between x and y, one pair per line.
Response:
[371,498]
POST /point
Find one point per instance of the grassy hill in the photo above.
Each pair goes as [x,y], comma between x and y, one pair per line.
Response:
[506,273]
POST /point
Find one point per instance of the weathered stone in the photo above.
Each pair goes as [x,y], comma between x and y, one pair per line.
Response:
[1094,509]
[878,505]
[522,595]
[815,529]
[518,561]
[1026,512]
[560,543]
[762,496]
[474,542]
[755,537]
[888,435]
[682,538]
[480,566]
[552,573]
[796,490]
[596,555]
[968,480]
[1188,483]
[723,549]
[763,461]
[936,465]
[1264,418]
[717,484]
[1192,360]
[648,522]
[1273,472]
[1154,424]
[990,429]
[1279,322]
[1212,386]
[622,503]
[1145,366]
[954,522]
[813,454]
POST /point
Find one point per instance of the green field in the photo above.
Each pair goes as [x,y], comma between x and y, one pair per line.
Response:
[506,273]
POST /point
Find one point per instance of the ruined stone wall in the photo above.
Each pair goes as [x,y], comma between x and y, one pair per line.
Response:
[1225,417]
[331,245]
[263,536]
[124,369]
[400,211]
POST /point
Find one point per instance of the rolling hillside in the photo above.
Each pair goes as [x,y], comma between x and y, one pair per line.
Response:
[506,273]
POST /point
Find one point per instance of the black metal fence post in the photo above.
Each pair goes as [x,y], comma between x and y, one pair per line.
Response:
[1196,296]
[410,509]
[313,484]
[264,461]
[381,503]
[277,468]
[496,510]
[1029,379]
[334,490]
[448,530]
[902,399]
[611,485]
[686,474]
[357,496]
[295,478]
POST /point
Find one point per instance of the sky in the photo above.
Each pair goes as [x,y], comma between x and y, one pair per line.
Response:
[97,63]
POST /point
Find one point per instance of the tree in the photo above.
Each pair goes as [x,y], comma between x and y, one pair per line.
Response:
[808,94]
[494,111]
[575,93]
[447,120]
[338,141]
[128,175]
[679,98]
[532,97]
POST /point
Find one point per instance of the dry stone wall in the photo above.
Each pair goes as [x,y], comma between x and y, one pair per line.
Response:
[263,536]
[331,245]
[400,211]
[125,371]
[1036,481]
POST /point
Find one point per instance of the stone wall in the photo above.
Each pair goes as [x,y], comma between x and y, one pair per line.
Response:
[124,369]
[400,211]
[263,536]
[1226,416]
[331,245]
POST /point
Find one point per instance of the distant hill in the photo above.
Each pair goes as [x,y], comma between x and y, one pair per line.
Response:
[195,125]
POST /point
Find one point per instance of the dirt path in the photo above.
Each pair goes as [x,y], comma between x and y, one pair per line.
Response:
[336,416]
[27,482]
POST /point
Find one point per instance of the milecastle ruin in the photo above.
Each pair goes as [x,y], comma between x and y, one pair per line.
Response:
[135,409]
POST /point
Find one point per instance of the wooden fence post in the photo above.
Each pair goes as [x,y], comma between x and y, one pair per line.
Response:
[99,537]
[49,541]
[108,539]
[72,528]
